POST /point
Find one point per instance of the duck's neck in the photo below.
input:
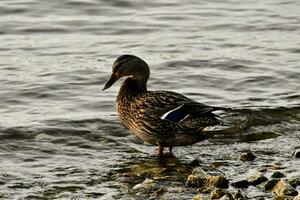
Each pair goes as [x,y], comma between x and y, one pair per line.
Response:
[131,88]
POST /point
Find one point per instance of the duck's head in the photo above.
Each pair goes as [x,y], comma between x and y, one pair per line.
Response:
[132,67]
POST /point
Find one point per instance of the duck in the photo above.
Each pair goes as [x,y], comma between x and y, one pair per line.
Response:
[164,118]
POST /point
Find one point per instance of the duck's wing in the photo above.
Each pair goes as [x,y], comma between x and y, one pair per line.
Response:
[177,108]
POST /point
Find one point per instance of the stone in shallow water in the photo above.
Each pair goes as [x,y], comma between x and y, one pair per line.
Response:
[198,197]
[196,180]
[269,185]
[294,182]
[247,156]
[256,180]
[239,195]
[226,197]
[241,184]
[297,197]
[219,193]
[158,193]
[147,184]
[217,181]
[195,163]
[282,188]
[277,174]
[199,178]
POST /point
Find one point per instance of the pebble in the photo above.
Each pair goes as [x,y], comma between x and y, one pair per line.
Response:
[256,180]
[282,188]
[277,174]
[197,197]
[196,180]
[199,178]
[247,156]
[157,193]
[195,163]
[147,184]
[219,193]
[297,197]
[226,197]
[239,195]
[294,182]
[269,185]
[241,184]
[217,181]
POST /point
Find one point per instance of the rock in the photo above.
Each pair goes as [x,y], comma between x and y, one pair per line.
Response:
[219,193]
[226,197]
[297,197]
[282,188]
[215,165]
[196,180]
[247,156]
[283,198]
[296,153]
[147,185]
[204,190]
[241,184]
[256,180]
[269,185]
[277,174]
[198,197]
[239,195]
[195,163]
[294,182]
[217,181]
[158,193]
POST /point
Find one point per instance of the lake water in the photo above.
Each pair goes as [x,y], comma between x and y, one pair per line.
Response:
[60,136]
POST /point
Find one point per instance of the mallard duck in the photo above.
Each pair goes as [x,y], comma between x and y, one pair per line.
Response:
[162,118]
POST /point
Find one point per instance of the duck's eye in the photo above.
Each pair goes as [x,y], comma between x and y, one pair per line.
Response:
[117,67]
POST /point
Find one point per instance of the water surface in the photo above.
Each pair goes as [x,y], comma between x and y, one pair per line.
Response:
[60,136]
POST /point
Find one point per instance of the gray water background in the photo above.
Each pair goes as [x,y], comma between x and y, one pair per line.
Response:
[59,134]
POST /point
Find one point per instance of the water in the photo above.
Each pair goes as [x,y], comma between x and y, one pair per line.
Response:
[60,137]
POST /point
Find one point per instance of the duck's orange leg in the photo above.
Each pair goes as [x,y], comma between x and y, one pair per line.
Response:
[160,151]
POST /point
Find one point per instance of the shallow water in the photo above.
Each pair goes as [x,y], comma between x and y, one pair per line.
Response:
[60,137]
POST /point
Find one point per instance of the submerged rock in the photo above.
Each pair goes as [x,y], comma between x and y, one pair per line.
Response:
[239,195]
[198,197]
[247,156]
[226,197]
[277,174]
[283,198]
[199,178]
[241,184]
[282,188]
[256,180]
[147,185]
[217,181]
[269,185]
[195,163]
[297,197]
[158,193]
[219,193]
[294,182]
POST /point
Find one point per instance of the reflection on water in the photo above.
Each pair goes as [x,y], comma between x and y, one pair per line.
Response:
[60,137]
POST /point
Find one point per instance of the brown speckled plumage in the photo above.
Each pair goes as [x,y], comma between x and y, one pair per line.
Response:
[142,111]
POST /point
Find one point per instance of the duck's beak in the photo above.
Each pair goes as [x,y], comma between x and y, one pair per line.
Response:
[113,78]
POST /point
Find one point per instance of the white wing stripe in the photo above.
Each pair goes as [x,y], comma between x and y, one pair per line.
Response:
[166,114]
